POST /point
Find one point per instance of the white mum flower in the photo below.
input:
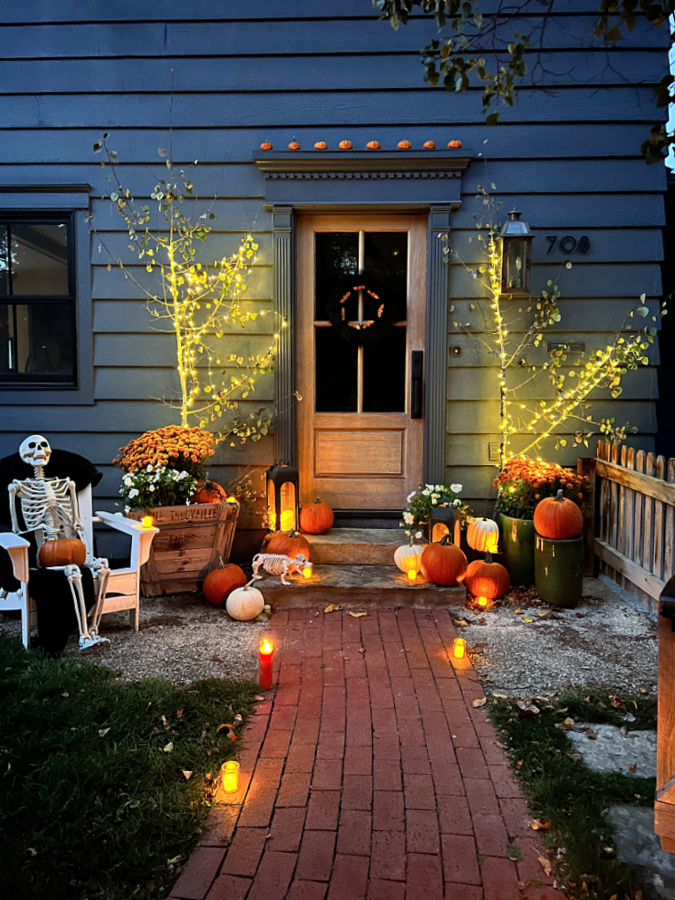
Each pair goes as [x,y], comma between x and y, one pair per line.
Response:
[151,487]
[408,518]
[457,502]
[410,496]
[434,499]
[426,492]
[133,493]
[456,488]
[418,535]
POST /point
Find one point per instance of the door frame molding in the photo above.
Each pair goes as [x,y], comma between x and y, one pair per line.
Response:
[306,181]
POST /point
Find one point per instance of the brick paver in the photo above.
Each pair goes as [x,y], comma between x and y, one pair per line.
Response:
[367,774]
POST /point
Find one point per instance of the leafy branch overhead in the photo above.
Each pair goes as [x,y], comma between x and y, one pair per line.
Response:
[199,303]
[486,43]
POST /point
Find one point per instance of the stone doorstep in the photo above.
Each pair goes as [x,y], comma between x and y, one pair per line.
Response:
[362,586]
[364,546]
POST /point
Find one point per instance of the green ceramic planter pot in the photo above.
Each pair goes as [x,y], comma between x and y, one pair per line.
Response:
[518,538]
[559,570]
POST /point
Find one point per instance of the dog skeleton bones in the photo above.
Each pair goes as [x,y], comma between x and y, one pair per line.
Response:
[49,508]
[277,564]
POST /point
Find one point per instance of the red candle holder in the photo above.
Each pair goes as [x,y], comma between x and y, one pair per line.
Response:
[266,650]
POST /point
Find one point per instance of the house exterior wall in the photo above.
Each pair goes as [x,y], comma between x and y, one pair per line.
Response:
[567,156]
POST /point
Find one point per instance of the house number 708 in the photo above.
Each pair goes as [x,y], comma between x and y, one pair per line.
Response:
[568,244]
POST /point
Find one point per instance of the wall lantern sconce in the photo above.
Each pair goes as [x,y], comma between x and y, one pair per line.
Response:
[445,519]
[283,511]
[516,252]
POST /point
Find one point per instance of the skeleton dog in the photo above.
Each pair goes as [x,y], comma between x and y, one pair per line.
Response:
[277,564]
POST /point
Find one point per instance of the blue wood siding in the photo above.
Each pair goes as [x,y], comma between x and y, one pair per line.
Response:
[566,155]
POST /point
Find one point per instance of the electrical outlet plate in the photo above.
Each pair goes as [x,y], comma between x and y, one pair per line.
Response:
[493,451]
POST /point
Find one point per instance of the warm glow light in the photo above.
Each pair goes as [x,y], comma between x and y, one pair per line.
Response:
[266,646]
[458,648]
[287,520]
[147,521]
[307,572]
[230,776]
[412,574]
[482,601]
[232,499]
[273,521]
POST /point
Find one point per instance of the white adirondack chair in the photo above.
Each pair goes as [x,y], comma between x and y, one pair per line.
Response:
[123,585]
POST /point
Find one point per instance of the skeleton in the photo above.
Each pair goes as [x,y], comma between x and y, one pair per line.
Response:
[276,564]
[49,508]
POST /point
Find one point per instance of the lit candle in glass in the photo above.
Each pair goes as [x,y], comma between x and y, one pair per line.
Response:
[230,776]
[307,572]
[458,648]
[482,601]
[412,574]
[287,520]
[147,521]
[266,649]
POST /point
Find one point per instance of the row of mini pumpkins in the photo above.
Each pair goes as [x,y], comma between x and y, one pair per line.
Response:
[444,563]
[371,145]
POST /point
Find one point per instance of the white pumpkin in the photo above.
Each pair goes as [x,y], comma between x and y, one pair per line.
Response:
[483,535]
[245,603]
[408,558]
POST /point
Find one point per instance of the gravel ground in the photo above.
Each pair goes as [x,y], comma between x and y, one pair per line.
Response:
[606,641]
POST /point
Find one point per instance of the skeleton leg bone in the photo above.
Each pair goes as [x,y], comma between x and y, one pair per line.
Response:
[74,577]
[101,572]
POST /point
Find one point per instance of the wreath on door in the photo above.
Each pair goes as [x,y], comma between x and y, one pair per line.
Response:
[343,310]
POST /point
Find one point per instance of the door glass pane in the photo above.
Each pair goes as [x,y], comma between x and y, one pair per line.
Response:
[39,258]
[336,372]
[386,258]
[384,374]
[37,340]
[4,260]
[337,255]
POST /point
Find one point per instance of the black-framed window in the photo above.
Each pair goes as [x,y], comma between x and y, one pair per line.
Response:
[38,315]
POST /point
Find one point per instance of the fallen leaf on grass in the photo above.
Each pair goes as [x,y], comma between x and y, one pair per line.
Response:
[479,702]
[358,615]
[187,775]
[538,825]
[103,731]
[32,851]
[168,748]
[332,607]
[607,852]
[258,698]
[632,767]
[617,702]
[525,708]
[232,736]
[546,865]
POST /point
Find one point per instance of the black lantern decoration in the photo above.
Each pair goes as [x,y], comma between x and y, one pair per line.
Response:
[445,519]
[283,511]
[516,252]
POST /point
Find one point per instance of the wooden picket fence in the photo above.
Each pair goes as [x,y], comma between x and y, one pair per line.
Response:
[633,496]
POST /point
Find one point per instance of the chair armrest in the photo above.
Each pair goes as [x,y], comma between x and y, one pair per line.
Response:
[124,524]
[17,547]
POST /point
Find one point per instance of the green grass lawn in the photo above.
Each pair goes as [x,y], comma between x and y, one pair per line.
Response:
[94,802]
[563,791]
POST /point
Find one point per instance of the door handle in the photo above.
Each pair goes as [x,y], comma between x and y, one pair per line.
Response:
[417,384]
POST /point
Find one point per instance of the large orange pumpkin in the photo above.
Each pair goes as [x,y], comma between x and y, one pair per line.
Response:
[64,552]
[485,578]
[209,492]
[288,543]
[317,517]
[558,518]
[443,562]
[219,584]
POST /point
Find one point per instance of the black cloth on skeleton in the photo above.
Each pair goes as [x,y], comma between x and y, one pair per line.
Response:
[50,590]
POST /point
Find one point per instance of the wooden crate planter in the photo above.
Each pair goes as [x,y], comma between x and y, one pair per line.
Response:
[191,542]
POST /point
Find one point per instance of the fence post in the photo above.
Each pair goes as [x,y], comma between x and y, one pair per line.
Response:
[586,467]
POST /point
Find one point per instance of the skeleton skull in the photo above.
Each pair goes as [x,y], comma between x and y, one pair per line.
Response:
[35,450]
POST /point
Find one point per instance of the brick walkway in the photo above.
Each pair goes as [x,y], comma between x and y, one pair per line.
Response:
[369,775]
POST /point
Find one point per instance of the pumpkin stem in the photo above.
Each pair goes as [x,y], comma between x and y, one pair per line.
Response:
[318,500]
[488,557]
[559,496]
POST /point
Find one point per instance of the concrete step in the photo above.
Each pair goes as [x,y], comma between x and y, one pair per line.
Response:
[358,586]
[356,546]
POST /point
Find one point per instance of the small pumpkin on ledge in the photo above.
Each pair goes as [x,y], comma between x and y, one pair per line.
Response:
[288,543]
[209,492]
[484,578]
[558,518]
[316,517]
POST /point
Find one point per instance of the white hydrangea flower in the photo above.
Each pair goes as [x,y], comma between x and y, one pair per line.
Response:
[133,493]
[418,535]
[408,518]
[456,488]
[426,492]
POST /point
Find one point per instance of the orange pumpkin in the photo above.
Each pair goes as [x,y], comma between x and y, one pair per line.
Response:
[64,552]
[219,584]
[404,145]
[288,543]
[209,492]
[266,145]
[321,145]
[294,145]
[345,145]
[373,145]
[557,518]
[443,562]
[317,517]
[485,578]
[429,145]
[454,145]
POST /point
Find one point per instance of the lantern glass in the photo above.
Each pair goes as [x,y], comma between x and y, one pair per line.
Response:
[459,648]
[283,511]
[444,519]
[230,776]
[516,251]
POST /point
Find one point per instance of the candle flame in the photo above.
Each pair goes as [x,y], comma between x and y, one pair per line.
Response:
[482,601]
[147,521]
[307,572]
[266,646]
[412,574]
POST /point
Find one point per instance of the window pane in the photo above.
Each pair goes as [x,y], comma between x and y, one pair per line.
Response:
[37,341]
[384,374]
[39,258]
[386,258]
[337,255]
[336,372]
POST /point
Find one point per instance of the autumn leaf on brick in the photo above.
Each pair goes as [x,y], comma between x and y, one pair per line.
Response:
[332,607]
[358,615]
[479,702]
[546,865]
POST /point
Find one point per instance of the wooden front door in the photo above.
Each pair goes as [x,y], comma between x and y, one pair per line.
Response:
[360,419]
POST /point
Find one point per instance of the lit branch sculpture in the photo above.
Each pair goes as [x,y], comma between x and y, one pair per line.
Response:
[573,389]
[199,302]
